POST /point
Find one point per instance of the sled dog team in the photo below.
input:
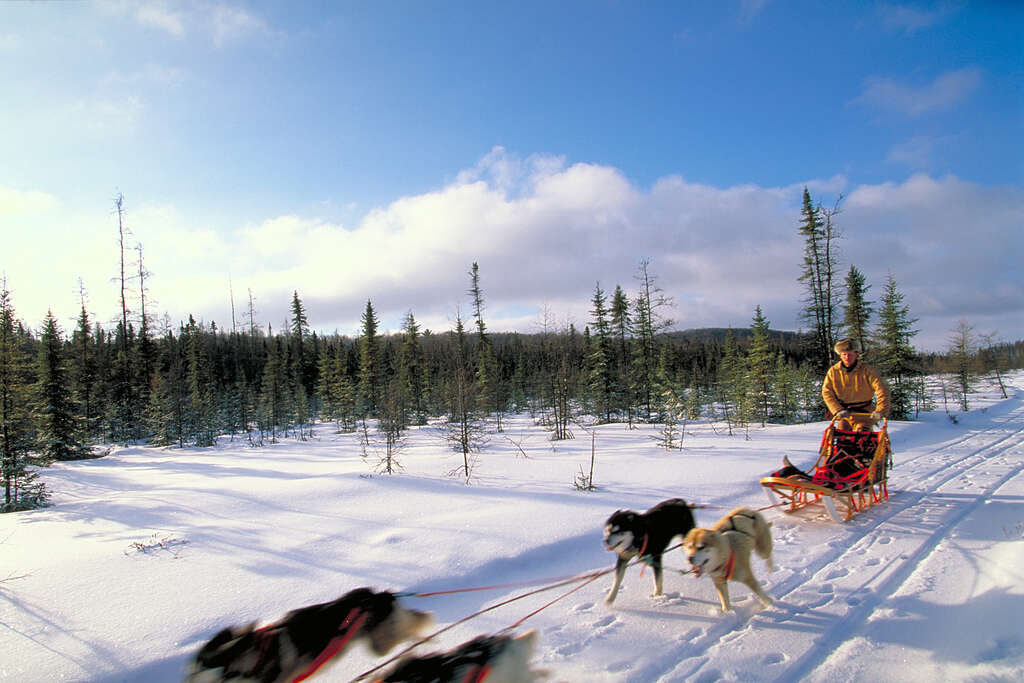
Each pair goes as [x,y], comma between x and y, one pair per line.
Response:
[304,640]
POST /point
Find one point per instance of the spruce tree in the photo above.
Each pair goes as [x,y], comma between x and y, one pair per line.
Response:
[411,381]
[391,425]
[785,394]
[731,385]
[370,371]
[464,431]
[857,310]
[344,392]
[59,436]
[489,393]
[760,368]
[647,323]
[600,377]
[273,389]
[299,328]
[21,490]
[621,326]
[818,275]
[892,353]
[83,370]
[327,384]
[963,361]
[159,416]
[200,388]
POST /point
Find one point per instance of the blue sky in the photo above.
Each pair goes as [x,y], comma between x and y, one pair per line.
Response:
[358,150]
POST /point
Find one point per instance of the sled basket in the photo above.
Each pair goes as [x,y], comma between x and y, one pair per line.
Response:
[852,469]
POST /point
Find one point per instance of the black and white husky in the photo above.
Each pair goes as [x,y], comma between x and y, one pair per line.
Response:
[494,659]
[647,534]
[305,639]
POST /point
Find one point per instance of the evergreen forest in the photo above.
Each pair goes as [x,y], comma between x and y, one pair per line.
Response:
[70,394]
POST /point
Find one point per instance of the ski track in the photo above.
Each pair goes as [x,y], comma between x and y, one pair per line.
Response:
[826,607]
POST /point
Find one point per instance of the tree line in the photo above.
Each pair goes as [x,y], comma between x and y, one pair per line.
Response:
[63,393]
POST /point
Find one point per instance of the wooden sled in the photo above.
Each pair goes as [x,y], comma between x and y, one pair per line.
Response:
[850,475]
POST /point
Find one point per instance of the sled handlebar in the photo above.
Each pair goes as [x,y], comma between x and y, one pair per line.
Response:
[863,413]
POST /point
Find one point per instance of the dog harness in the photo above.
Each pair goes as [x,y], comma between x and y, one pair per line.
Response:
[349,627]
[732,523]
[729,566]
[477,674]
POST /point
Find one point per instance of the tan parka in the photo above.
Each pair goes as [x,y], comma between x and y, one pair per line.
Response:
[859,389]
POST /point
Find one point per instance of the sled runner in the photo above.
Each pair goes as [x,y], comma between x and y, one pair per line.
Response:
[852,468]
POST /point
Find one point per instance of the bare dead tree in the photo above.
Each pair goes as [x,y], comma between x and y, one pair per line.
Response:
[122,235]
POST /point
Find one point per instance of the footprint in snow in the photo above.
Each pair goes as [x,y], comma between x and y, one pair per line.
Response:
[617,667]
[692,634]
[712,676]
[773,658]
[839,573]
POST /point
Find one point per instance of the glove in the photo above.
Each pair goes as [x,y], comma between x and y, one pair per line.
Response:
[843,413]
[876,416]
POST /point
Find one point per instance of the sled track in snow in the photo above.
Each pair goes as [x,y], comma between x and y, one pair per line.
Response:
[808,600]
[904,531]
[907,564]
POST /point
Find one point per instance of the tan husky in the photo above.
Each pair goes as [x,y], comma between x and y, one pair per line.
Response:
[723,552]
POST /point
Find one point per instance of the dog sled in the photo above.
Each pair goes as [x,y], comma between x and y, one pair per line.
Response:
[850,475]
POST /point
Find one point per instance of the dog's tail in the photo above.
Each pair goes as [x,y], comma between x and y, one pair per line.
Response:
[763,541]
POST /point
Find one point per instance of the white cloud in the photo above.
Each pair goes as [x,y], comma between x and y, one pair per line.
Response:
[915,153]
[910,19]
[227,23]
[222,22]
[944,92]
[161,16]
[720,252]
[15,204]
[951,245]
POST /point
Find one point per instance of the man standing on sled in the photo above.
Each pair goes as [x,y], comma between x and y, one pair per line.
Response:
[851,387]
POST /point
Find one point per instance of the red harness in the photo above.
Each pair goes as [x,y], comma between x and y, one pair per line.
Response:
[477,674]
[729,566]
[353,622]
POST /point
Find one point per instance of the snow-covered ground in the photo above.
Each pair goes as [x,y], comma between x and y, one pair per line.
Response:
[147,552]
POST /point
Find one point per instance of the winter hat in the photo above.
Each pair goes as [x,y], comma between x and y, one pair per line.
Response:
[847,345]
